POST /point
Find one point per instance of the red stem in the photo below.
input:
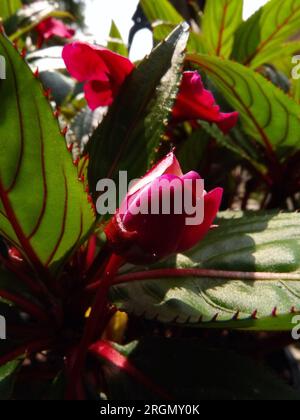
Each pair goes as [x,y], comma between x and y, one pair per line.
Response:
[99,264]
[25,305]
[91,251]
[106,351]
[34,287]
[198,273]
[93,325]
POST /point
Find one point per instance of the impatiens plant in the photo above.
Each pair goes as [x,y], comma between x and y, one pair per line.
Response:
[133,305]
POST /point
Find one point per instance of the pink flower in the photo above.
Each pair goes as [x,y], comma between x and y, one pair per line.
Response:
[146,238]
[51,27]
[102,71]
[196,103]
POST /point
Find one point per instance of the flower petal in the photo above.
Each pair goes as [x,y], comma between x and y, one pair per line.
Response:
[228,121]
[120,67]
[51,27]
[158,234]
[194,102]
[193,234]
[98,94]
[84,63]
[167,166]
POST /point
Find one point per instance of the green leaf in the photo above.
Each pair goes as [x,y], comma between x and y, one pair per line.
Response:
[267,114]
[219,23]
[161,14]
[191,370]
[192,152]
[43,208]
[133,128]
[228,142]
[296,90]
[116,43]
[265,31]
[164,18]
[9,7]
[241,246]
[8,374]
[284,54]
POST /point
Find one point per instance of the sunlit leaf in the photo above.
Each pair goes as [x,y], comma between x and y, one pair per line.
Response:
[265,31]
[9,7]
[44,209]
[219,23]
[115,42]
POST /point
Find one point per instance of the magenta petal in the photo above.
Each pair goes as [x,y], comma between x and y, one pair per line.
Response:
[228,121]
[192,175]
[158,234]
[196,103]
[120,67]
[98,94]
[83,62]
[51,27]
[193,234]
[168,165]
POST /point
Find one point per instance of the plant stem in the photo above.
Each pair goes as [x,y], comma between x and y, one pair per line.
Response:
[25,305]
[98,313]
[198,273]
[97,267]
[34,287]
[106,351]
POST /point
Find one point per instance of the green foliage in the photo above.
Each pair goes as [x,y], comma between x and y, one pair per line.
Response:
[267,114]
[7,378]
[116,42]
[264,32]
[49,224]
[189,369]
[8,8]
[219,23]
[245,275]
[250,244]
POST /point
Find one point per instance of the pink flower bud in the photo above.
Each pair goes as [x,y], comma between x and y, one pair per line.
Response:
[148,237]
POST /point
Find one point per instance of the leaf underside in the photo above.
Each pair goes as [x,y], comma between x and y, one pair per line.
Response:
[252,243]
